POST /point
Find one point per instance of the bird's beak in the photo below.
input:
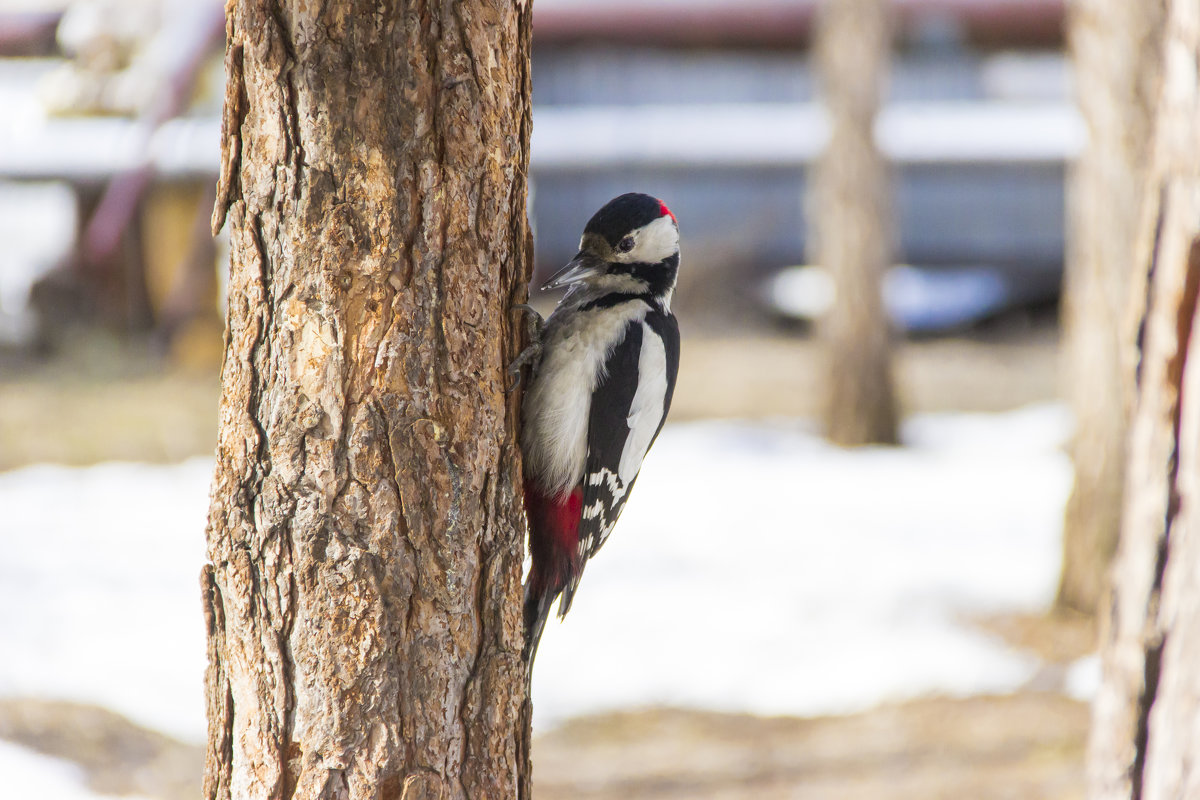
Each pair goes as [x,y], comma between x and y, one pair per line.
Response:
[583,266]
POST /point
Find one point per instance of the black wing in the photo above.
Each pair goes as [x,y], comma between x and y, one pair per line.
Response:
[609,430]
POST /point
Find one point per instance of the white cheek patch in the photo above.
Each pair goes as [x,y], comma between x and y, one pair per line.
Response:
[654,242]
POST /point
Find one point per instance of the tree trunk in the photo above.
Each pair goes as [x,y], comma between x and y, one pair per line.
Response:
[1117,50]
[851,223]
[1144,737]
[365,533]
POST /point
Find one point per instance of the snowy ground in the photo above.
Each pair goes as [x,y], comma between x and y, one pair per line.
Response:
[755,569]
[31,775]
[100,594]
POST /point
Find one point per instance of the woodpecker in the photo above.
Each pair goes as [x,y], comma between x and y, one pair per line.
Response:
[604,368]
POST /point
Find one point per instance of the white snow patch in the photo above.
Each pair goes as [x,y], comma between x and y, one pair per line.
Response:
[32,775]
[100,588]
[755,569]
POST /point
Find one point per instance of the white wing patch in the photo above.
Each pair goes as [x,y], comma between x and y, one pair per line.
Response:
[646,410]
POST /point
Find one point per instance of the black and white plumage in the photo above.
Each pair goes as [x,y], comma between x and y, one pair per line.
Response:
[599,393]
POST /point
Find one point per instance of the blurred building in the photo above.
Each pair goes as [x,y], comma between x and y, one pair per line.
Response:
[112,120]
[712,106]
[108,150]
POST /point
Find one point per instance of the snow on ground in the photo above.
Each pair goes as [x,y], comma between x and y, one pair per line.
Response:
[100,588]
[755,569]
[31,775]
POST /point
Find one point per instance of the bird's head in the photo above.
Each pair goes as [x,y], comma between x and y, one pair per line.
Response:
[631,245]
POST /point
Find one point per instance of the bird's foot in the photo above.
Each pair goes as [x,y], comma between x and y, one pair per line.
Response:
[533,333]
[533,321]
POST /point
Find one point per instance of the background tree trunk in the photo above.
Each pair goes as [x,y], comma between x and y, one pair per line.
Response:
[1144,736]
[851,234]
[1117,49]
[365,532]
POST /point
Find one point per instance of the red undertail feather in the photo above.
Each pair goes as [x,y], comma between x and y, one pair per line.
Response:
[554,548]
[554,536]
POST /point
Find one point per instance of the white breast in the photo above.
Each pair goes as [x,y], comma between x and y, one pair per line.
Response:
[559,399]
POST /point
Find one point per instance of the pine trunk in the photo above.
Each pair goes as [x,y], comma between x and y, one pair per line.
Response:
[1117,49]
[365,533]
[1144,737]
[851,223]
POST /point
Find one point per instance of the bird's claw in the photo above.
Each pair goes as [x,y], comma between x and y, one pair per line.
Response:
[533,321]
[524,357]
[516,380]
[533,332]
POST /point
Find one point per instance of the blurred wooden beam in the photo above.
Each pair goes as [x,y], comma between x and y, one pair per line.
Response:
[783,23]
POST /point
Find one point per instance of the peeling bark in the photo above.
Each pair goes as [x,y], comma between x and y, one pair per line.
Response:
[850,213]
[365,531]
[1117,49]
[1144,737]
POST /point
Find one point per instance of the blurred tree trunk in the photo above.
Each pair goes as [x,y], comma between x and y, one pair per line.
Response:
[1145,738]
[850,222]
[1117,50]
[365,532]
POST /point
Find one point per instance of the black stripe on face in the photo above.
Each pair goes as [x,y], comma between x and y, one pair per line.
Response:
[659,278]
[611,300]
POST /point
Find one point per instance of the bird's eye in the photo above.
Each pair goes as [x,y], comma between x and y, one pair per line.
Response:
[625,244]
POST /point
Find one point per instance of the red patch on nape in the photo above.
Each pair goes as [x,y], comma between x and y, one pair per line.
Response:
[666,212]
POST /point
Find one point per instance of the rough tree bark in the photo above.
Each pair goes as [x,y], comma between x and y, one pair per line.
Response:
[850,222]
[1117,50]
[1144,737]
[365,532]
